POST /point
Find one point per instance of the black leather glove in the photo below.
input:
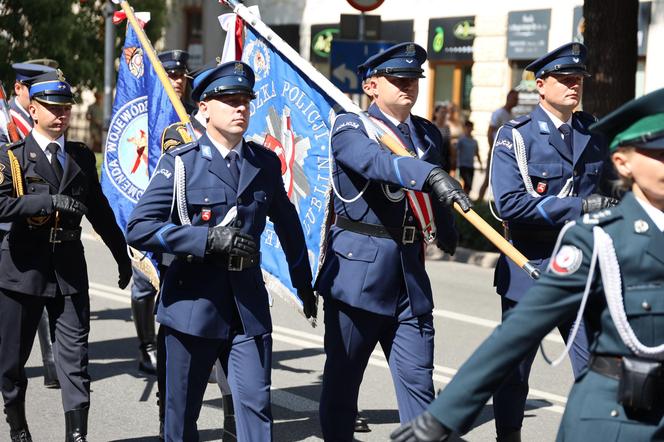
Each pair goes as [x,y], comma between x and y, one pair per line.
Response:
[308,302]
[446,189]
[424,428]
[67,204]
[226,240]
[447,241]
[124,272]
[595,202]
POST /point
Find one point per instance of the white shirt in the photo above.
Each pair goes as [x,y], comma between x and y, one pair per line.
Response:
[411,127]
[43,141]
[557,121]
[656,215]
[224,151]
[500,117]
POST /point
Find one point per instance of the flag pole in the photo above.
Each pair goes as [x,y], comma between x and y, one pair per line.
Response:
[386,139]
[156,63]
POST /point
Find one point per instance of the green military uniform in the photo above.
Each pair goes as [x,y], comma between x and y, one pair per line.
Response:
[594,411]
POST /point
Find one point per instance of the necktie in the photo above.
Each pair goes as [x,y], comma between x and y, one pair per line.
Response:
[405,131]
[233,166]
[55,162]
[566,130]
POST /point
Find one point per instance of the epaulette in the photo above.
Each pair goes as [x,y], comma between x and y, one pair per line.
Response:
[599,218]
[14,145]
[586,117]
[182,148]
[517,122]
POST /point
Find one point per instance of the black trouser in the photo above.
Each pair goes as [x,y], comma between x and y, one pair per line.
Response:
[70,326]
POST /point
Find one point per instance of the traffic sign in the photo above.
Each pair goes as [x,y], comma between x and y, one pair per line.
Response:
[345,56]
[365,5]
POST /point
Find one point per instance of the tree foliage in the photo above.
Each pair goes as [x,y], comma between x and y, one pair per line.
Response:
[68,31]
[610,34]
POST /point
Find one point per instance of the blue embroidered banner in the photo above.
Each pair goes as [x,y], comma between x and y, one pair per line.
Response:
[293,117]
[141,111]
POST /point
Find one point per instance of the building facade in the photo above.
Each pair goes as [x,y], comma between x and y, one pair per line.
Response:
[477,49]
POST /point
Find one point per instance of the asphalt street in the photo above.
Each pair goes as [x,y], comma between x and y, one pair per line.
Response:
[124,406]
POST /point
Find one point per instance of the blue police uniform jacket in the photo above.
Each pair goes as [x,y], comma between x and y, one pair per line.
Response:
[200,297]
[371,272]
[549,167]
[593,412]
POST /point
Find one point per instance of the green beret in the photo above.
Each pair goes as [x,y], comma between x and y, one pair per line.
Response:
[638,123]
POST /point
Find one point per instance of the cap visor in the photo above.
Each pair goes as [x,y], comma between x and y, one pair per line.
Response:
[62,100]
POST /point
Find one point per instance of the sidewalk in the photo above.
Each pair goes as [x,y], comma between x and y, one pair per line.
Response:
[481,259]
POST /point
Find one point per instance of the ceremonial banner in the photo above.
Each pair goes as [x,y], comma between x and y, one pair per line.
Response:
[141,111]
[292,117]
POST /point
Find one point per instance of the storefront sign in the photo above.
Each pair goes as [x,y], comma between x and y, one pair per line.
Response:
[451,38]
[528,34]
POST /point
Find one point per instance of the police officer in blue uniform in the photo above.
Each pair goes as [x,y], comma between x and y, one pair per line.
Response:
[373,279]
[207,204]
[18,105]
[619,397]
[547,169]
[176,65]
[47,184]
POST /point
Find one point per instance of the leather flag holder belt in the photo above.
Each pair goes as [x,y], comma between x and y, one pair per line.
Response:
[404,234]
[57,235]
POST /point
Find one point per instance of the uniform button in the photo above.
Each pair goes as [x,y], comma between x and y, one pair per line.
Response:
[180,282]
[239,200]
[410,218]
[190,258]
[206,199]
[238,223]
[545,174]
[412,182]
[576,173]
[614,413]
[350,254]
[645,306]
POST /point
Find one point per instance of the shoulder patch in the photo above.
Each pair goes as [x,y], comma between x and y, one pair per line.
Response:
[503,142]
[347,123]
[567,260]
[518,121]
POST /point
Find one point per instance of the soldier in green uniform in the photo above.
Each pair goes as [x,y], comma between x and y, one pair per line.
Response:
[608,267]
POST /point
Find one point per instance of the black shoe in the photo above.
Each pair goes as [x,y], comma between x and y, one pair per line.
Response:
[18,425]
[230,431]
[76,425]
[143,312]
[361,424]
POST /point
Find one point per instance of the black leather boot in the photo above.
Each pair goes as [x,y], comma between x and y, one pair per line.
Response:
[44,334]
[76,425]
[230,432]
[18,425]
[143,312]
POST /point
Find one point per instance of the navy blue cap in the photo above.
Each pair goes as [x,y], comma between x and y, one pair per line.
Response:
[52,88]
[401,60]
[25,72]
[234,77]
[175,61]
[567,59]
